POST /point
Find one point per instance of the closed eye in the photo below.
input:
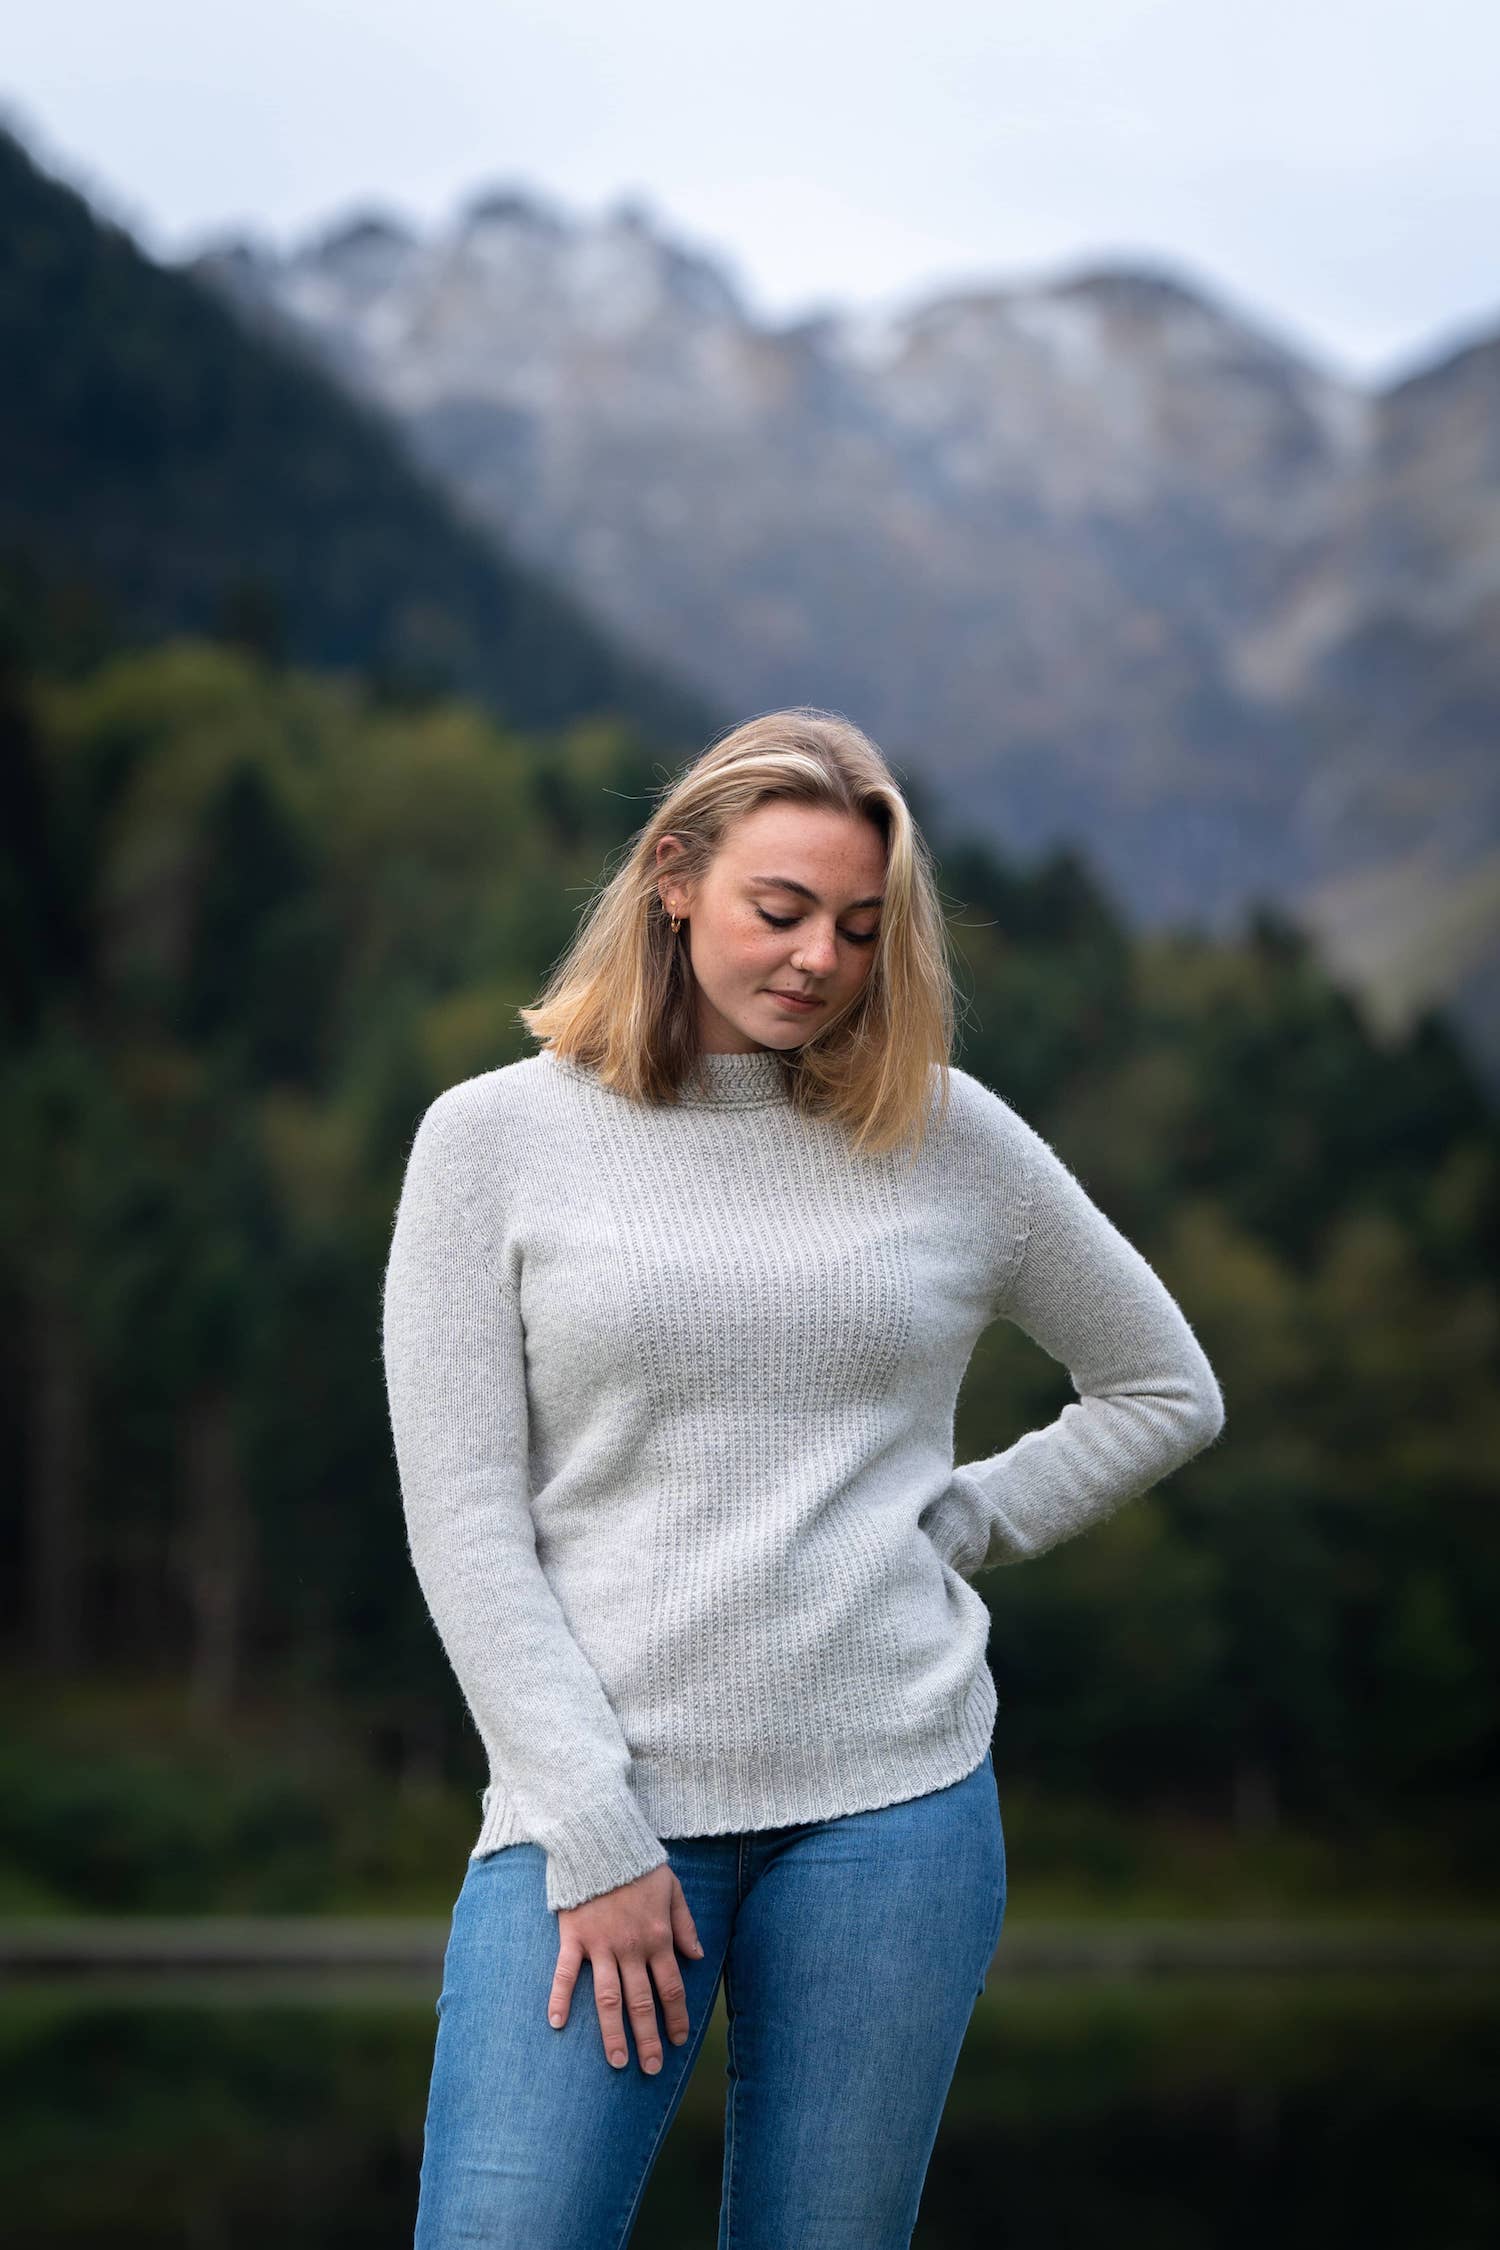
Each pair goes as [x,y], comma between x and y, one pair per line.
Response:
[855,937]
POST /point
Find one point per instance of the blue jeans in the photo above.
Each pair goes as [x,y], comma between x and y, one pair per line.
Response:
[852,1952]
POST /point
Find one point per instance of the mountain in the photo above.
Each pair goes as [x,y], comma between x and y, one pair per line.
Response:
[1100,555]
[197,476]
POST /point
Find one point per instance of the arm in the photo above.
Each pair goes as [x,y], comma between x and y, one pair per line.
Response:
[456,1388]
[1147,1398]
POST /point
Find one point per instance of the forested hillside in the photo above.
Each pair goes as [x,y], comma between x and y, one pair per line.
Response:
[161,470]
[255,917]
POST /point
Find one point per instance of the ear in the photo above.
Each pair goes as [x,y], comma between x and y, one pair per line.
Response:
[675,897]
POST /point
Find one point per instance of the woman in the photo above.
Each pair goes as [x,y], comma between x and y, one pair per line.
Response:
[675,1318]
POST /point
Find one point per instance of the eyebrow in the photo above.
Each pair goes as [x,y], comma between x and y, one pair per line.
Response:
[785,883]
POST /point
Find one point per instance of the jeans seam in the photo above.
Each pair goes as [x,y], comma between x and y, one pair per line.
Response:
[734,2077]
[994,1945]
[729,2121]
[690,2056]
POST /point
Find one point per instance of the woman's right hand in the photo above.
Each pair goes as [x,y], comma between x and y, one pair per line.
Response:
[629,1935]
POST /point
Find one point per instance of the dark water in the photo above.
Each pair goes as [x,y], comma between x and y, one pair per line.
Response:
[189,2113]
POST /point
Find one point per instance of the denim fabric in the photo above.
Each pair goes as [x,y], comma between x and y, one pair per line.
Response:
[852,1952]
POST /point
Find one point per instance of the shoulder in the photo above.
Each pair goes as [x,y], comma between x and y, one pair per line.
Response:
[490,1096]
[982,1117]
[492,1114]
[985,1138]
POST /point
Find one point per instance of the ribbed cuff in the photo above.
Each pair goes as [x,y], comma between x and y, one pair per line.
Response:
[601,1846]
[956,1528]
[965,1526]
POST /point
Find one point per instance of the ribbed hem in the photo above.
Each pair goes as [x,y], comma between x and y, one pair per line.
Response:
[819,1782]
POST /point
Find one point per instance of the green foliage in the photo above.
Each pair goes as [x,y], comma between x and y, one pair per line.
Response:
[257,917]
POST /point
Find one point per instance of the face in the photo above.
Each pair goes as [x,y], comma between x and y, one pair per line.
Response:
[790,904]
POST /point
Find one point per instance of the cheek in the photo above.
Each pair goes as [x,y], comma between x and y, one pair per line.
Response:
[747,949]
[862,969]
[758,945]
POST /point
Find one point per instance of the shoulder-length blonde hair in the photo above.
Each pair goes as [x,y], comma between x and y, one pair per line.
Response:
[621,999]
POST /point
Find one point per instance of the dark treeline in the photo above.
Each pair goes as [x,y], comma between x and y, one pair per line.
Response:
[303,787]
[168,470]
[255,917]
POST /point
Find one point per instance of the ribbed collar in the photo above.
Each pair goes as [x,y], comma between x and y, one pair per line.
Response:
[750,1081]
[736,1081]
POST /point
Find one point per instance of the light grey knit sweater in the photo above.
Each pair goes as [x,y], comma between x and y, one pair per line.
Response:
[672,1393]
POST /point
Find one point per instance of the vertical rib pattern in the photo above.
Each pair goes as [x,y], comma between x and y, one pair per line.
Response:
[672,1393]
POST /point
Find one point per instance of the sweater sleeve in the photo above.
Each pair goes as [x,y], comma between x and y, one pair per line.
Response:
[1148,1400]
[454,1355]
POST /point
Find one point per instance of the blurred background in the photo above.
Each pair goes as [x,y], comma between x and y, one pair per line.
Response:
[422,430]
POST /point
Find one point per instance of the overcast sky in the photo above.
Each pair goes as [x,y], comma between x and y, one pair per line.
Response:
[1327,167]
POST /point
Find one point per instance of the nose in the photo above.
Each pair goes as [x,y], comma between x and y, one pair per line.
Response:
[818,954]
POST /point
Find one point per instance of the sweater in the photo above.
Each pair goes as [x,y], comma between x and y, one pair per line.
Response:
[671,1389]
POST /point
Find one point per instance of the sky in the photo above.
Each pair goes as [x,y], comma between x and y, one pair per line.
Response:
[1328,170]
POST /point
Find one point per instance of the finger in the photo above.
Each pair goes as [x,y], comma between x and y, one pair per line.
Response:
[607,2006]
[684,1928]
[673,1993]
[641,2002]
[564,1977]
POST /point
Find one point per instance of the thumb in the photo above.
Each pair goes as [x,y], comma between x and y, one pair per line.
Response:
[684,1930]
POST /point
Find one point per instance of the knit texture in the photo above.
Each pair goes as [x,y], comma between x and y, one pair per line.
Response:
[672,1391]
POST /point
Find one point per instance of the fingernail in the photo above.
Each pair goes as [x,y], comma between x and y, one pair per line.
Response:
[556,2022]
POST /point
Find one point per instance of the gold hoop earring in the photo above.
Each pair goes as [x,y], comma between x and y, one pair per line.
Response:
[675,921]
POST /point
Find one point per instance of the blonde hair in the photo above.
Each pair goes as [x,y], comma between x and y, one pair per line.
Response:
[621,999]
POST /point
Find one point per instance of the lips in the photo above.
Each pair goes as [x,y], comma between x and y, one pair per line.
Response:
[807,999]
